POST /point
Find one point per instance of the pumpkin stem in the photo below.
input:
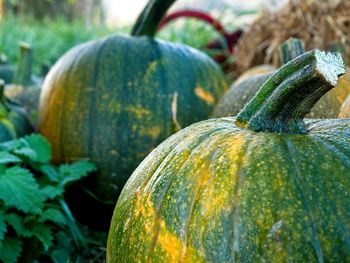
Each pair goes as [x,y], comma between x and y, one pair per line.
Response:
[289,94]
[148,21]
[290,49]
[341,49]
[23,71]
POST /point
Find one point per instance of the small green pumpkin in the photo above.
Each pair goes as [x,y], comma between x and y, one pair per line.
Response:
[13,118]
[264,186]
[113,100]
[24,90]
[244,89]
[7,70]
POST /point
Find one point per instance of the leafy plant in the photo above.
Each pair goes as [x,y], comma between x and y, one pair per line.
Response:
[34,217]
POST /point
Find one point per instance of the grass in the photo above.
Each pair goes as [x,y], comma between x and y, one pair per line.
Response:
[190,32]
[52,38]
[49,38]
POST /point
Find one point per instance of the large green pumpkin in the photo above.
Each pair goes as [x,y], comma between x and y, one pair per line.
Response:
[113,100]
[264,186]
[244,89]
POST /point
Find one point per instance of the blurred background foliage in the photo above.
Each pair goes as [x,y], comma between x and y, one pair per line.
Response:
[54,26]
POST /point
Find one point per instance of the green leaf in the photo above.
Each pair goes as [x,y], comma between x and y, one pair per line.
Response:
[60,255]
[53,215]
[64,247]
[19,189]
[40,146]
[26,152]
[16,222]
[10,249]
[3,227]
[33,147]
[6,158]
[3,168]
[51,192]
[11,145]
[44,234]
[50,171]
[73,172]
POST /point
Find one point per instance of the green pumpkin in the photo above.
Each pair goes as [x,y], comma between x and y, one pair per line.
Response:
[24,90]
[240,93]
[113,100]
[265,186]
[13,118]
[28,97]
[244,89]
[6,72]
[6,69]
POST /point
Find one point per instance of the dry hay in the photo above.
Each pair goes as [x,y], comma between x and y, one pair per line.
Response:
[318,23]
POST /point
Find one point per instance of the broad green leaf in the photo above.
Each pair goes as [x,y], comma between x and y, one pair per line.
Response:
[3,227]
[27,153]
[44,234]
[40,146]
[53,215]
[11,145]
[3,168]
[60,255]
[6,158]
[19,189]
[50,171]
[51,192]
[10,249]
[16,222]
[73,172]
[63,248]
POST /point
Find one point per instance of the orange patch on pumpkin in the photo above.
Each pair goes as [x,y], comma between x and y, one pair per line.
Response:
[204,95]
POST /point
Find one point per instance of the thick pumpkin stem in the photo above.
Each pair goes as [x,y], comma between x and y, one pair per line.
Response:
[289,94]
[148,21]
[23,72]
[290,49]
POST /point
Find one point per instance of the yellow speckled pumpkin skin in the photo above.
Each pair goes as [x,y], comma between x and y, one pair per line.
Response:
[215,192]
[115,99]
[264,186]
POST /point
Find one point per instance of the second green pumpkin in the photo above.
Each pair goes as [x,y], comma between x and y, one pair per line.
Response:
[113,100]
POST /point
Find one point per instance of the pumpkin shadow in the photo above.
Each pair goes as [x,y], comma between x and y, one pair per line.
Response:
[88,209]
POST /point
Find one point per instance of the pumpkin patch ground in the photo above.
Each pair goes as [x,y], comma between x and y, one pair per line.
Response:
[172,131]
